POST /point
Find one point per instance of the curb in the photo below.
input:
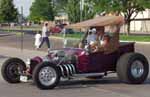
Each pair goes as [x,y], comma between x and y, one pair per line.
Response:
[63,38]
[2,35]
[139,42]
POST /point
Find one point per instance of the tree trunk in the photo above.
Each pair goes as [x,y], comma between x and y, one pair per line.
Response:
[128,27]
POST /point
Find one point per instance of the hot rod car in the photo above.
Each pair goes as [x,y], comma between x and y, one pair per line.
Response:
[131,67]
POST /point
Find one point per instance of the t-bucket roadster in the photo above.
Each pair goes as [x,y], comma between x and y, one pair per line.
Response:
[131,67]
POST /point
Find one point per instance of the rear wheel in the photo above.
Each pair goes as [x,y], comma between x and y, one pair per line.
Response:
[46,75]
[12,69]
[132,68]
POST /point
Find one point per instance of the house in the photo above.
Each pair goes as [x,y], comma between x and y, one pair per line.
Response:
[140,25]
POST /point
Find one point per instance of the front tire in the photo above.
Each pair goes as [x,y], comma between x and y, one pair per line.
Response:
[46,75]
[132,68]
[12,69]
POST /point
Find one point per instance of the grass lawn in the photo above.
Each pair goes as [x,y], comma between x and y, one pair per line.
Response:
[34,28]
[77,35]
[140,38]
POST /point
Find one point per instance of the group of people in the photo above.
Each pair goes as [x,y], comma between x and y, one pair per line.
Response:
[97,40]
[42,37]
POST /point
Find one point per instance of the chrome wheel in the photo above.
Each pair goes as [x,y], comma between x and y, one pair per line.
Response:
[47,76]
[137,69]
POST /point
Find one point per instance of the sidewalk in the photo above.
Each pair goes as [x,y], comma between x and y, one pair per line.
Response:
[24,54]
[137,42]
[2,35]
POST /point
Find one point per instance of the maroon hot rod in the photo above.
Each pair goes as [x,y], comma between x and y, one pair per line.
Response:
[131,67]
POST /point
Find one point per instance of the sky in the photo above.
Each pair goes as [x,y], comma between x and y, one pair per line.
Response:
[26,6]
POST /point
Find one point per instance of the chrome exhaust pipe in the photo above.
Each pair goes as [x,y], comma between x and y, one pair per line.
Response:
[67,70]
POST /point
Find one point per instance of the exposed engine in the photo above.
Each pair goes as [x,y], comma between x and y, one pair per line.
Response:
[60,57]
[65,61]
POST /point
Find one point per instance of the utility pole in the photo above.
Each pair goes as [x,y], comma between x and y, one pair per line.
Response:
[21,28]
[81,9]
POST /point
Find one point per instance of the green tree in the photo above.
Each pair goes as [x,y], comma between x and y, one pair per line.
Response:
[128,8]
[74,10]
[42,10]
[8,13]
[60,4]
[88,11]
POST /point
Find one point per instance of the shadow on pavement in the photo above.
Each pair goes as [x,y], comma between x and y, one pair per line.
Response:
[147,81]
[110,80]
[93,83]
[87,83]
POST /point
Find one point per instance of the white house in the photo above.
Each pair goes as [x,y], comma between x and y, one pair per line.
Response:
[141,26]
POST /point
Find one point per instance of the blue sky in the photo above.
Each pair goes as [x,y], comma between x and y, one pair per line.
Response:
[26,5]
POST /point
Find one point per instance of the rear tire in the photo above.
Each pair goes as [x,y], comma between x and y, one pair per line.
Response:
[132,68]
[46,75]
[11,70]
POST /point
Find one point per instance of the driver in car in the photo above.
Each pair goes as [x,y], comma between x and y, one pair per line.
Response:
[89,38]
[107,43]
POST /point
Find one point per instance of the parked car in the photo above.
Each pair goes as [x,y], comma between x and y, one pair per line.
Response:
[56,29]
[46,72]
[70,31]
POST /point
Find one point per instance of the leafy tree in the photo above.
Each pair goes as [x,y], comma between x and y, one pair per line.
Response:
[8,13]
[73,9]
[128,8]
[88,11]
[60,3]
[42,10]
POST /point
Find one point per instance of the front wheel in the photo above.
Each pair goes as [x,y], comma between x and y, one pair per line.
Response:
[46,75]
[12,69]
[133,68]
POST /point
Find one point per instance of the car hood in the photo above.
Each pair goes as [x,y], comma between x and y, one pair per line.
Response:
[74,51]
[69,51]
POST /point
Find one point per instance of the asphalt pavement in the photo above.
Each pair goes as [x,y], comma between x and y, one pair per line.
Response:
[110,86]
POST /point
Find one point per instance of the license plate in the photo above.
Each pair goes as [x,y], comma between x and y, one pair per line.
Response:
[23,78]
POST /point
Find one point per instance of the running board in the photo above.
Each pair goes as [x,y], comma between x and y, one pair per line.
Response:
[88,74]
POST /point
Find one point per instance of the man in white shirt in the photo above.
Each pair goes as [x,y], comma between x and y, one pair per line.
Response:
[91,36]
[45,34]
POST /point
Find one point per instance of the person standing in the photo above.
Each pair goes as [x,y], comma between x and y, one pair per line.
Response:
[37,39]
[45,34]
